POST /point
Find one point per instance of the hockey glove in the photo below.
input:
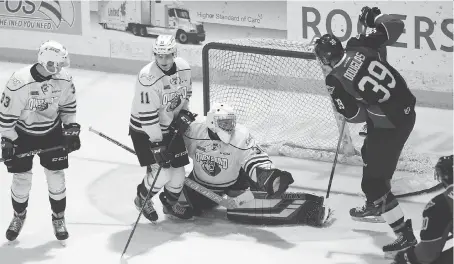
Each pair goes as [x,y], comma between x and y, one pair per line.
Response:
[71,136]
[160,154]
[183,121]
[274,181]
[368,15]
[8,148]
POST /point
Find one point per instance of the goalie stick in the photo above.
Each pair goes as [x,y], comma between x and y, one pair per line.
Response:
[229,203]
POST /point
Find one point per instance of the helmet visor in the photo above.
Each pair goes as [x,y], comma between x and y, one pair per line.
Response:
[226,123]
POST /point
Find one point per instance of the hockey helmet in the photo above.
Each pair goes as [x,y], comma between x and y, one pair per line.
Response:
[165,44]
[221,119]
[53,56]
[328,49]
[443,170]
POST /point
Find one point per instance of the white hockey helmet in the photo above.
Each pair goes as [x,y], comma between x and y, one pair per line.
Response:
[221,119]
[52,51]
[165,44]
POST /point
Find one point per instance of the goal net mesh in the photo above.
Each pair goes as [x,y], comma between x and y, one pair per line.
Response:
[277,90]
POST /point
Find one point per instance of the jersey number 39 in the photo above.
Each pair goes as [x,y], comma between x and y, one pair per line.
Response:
[377,82]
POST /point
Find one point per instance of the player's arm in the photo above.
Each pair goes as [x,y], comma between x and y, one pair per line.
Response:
[258,166]
[12,101]
[353,110]
[68,104]
[188,91]
[147,102]
[386,29]
[437,223]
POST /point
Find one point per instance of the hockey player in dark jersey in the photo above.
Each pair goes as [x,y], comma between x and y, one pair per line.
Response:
[436,231]
[365,88]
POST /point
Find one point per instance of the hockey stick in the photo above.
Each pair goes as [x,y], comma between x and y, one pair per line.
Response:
[335,158]
[149,191]
[326,208]
[35,152]
[229,203]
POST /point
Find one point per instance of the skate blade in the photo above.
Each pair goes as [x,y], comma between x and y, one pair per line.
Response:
[62,242]
[176,218]
[369,219]
[12,242]
[390,254]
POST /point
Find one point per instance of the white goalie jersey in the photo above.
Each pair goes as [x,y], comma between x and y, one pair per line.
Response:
[159,98]
[36,107]
[217,164]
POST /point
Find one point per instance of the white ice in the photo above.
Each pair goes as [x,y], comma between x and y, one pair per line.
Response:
[101,186]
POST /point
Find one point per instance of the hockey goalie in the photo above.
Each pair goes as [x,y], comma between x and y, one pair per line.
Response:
[228,161]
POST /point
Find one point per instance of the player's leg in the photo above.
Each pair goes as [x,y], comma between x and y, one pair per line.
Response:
[146,159]
[383,149]
[21,184]
[197,201]
[54,164]
[175,175]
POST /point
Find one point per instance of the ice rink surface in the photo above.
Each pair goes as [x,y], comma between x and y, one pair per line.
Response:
[101,186]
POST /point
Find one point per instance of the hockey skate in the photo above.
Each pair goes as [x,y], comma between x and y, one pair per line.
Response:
[60,231]
[16,225]
[148,211]
[405,239]
[176,210]
[369,212]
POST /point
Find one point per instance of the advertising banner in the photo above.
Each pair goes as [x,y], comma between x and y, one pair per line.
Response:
[265,14]
[63,17]
[426,45]
[191,22]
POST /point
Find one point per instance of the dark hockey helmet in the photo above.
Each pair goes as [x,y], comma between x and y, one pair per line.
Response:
[443,170]
[328,49]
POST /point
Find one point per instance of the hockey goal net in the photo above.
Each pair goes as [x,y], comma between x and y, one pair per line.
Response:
[277,90]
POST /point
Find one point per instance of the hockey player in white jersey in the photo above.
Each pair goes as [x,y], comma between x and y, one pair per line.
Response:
[163,89]
[227,160]
[38,111]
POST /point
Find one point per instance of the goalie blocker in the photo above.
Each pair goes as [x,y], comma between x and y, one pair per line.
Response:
[289,208]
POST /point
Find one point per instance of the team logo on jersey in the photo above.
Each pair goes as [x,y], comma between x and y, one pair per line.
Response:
[330,89]
[46,87]
[215,146]
[174,103]
[40,104]
[147,77]
[174,99]
[211,165]
[407,110]
[175,80]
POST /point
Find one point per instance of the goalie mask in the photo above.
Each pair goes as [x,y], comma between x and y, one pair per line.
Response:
[53,56]
[165,50]
[221,119]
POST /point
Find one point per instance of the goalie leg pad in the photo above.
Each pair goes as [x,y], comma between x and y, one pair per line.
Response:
[295,208]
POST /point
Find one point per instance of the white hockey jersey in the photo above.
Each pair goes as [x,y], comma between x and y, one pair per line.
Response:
[217,164]
[36,107]
[159,98]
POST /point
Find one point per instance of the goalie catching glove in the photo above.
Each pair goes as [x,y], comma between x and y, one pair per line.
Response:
[274,181]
